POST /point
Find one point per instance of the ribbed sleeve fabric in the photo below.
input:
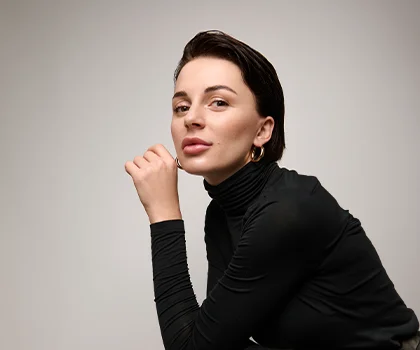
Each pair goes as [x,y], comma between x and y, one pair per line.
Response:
[287,266]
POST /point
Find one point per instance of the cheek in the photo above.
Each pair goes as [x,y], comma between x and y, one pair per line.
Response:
[175,131]
[232,137]
[237,132]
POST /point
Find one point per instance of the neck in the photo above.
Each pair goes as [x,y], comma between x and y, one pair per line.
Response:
[218,177]
[236,192]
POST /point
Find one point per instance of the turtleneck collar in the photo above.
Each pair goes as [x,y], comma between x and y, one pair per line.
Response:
[237,192]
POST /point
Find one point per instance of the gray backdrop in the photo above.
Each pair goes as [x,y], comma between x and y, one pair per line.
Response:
[86,86]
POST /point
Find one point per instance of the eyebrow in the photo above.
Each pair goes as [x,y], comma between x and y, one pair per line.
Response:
[206,91]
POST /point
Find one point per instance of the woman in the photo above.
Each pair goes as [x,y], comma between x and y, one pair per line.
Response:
[287,265]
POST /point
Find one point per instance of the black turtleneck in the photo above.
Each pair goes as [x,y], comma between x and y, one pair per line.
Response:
[287,266]
[236,194]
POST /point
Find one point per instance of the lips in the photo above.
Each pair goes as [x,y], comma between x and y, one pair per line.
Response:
[188,141]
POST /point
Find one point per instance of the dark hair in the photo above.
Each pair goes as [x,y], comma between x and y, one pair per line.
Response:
[257,72]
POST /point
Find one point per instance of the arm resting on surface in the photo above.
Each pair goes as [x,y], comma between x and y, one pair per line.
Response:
[268,265]
[214,274]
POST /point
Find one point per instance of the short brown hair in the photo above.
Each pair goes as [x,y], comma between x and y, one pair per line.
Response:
[258,74]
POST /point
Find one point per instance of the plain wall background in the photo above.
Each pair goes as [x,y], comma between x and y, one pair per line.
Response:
[86,86]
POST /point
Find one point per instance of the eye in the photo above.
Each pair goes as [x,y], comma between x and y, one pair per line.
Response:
[181,109]
[219,103]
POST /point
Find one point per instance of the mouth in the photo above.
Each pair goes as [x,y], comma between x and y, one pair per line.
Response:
[195,148]
[193,141]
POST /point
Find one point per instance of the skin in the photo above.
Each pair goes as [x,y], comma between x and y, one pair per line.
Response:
[229,120]
[225,117]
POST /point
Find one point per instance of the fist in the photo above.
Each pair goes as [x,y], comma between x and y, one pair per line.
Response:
[155,177]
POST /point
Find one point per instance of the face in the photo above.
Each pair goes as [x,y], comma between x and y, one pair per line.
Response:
[212,102]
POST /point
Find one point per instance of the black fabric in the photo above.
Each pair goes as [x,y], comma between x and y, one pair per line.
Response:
[287,266]
[412,344]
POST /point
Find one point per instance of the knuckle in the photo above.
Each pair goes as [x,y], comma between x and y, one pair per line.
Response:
[158,164]
[138,177]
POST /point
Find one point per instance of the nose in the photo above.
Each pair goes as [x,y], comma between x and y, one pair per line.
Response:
[194,118]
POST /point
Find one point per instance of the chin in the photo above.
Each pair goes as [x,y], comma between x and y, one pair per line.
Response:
[200,167]
[195,170]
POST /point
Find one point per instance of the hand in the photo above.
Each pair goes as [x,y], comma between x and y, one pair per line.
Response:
[155,176]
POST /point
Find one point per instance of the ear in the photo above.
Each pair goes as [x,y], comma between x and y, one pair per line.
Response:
[264,132]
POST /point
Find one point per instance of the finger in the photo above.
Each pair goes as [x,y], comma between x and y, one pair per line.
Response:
[131,168]
[162,152]
[140,162]
[151,156]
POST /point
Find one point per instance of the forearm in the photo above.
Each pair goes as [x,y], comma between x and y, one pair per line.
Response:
[184,324]
[213,275]
[176,302]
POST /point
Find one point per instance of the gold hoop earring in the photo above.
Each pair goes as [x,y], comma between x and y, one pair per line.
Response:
[178,164]
[253,159]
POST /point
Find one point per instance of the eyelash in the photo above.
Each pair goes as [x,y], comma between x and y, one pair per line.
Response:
[176,109]
[224,103]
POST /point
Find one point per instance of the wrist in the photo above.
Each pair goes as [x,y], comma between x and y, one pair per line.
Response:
[164,214]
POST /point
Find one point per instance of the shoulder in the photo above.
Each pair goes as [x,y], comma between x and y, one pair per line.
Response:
[292,182]
[296,203]
[288,192]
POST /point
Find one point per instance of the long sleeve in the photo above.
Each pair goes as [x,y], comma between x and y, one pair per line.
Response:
[287,266]
[176,303]
[213,275]
[268,266]
[216,262]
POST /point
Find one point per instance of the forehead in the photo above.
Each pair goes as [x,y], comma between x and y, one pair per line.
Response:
[208,71]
